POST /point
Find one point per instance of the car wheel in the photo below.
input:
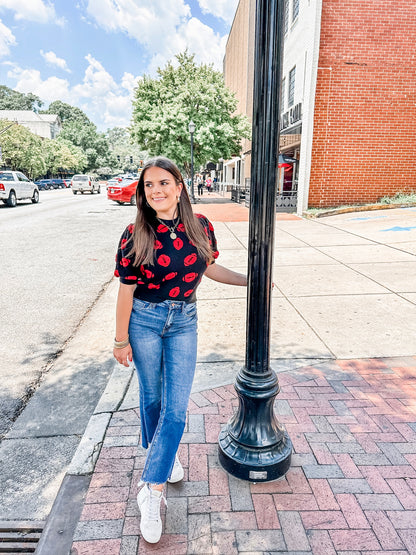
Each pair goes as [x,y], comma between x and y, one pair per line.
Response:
[75,192]
[82,192]
[119,202]
[133,200]
[12,201]
[99,190]
[35,198]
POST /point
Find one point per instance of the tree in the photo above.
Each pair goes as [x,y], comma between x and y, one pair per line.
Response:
[61,155]
[15,100]
[81,132]
[126,155]
[67,112]
[22,150]
[164,106]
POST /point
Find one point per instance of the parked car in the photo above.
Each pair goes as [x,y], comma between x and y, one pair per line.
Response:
[58,183]
[16,186]
[85,183]
[124,191]
[44,184]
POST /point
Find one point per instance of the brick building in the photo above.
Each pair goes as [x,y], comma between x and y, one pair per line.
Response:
[348,98]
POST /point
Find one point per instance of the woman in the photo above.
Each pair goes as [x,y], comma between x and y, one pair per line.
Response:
[160,262]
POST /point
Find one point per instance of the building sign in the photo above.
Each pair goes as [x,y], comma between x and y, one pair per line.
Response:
[291,117]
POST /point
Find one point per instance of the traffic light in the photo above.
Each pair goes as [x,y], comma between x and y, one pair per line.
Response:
[131,159]
[118,157]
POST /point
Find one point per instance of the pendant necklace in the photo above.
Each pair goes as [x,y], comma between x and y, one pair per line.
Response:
[172,228]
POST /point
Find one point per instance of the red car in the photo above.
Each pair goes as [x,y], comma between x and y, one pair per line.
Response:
[125,191]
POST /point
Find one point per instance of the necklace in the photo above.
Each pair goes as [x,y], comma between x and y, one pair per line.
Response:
[172,228]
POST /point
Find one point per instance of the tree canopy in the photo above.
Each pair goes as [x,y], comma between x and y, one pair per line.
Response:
[126,155]
[15,100]
[67,112]
[181,92]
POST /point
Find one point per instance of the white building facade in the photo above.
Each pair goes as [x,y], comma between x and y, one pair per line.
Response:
[47,126]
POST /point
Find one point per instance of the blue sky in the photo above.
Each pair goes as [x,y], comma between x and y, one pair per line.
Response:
[90,53]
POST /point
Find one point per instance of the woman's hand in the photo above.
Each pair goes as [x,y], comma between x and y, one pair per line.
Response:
[124,356]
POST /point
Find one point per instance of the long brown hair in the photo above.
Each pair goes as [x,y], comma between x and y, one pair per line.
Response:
[143,237]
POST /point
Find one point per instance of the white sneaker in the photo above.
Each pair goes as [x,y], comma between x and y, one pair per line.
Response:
[148,500]
[177,472]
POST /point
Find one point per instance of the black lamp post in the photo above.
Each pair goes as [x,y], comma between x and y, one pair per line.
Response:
[191,128]
[254,446]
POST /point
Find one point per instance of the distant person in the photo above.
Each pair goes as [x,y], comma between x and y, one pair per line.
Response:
[160,261]
[208,184]
[200,184]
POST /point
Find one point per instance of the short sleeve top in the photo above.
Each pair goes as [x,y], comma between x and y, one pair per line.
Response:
[177,270]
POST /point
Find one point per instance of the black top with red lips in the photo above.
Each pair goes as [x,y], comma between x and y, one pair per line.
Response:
[177,270]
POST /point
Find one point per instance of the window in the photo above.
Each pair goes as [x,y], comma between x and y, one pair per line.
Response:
[6,176]
[286,16]
[282,94]
[291,91]
[295,9]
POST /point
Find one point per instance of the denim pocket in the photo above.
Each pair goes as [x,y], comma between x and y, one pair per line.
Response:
[190,310]
[138,304]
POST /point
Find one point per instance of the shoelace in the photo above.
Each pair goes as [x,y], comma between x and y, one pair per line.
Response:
[154,505]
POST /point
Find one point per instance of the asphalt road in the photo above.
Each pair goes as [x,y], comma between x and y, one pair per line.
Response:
[56,257]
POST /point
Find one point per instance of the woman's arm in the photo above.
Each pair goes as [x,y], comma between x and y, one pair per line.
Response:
[224,275]
[123,312]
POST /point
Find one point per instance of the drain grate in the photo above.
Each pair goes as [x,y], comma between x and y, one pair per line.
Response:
[19,536]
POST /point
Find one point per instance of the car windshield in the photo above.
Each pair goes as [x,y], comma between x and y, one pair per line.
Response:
[6,176]
[80,178]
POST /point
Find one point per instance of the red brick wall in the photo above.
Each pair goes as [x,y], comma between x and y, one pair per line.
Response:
[364,143]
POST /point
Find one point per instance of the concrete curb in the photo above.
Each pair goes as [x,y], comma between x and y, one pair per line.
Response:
[364,208]
[61,523]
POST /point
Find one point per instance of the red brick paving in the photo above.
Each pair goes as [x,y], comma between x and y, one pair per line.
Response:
[356,495]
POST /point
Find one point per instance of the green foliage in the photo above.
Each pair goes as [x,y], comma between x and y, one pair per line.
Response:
[67,112]
[14,100]
[22,150]
[122,148]
[164,106]
[61,155]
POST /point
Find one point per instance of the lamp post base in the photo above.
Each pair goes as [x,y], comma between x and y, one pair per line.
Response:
[254,446]
[254,465]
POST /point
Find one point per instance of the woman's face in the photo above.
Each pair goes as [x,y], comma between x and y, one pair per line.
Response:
[162,192]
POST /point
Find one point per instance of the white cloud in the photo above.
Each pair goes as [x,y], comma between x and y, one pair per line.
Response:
[225,9]
[7,39]
[164,28]
[53,60]
[39,11]
[106,102]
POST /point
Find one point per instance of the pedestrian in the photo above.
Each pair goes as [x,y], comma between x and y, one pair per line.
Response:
[160,261]
[208,184]
[200,184]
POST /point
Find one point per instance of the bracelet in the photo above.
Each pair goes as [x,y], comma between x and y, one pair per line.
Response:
[121,344]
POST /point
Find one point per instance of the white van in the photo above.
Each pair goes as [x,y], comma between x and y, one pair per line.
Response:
[83,183]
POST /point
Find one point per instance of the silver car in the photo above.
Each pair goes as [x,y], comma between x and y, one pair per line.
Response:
[85,183]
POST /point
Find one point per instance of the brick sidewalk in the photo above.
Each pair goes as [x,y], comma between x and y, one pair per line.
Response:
[351,488]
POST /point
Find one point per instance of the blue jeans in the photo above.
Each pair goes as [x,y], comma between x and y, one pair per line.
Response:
[163,337]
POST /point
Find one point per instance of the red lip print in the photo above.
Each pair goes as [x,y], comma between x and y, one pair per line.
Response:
[161,228]
[154,286]
[181,227]
[171,276]
[157,245]
[148,274]
[174,292]
[190,277]
[123,243]
[116,273]
[187,293]
[211,227]
[131,277]
[190,259]
[164,260]
[125,262]
[131,228]
[178,244]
